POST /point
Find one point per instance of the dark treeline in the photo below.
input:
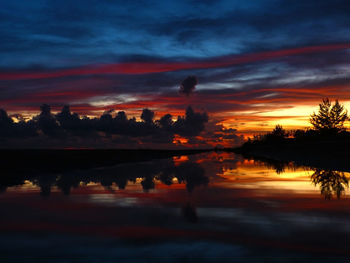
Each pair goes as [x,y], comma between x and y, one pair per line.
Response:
[66,123]
[325,145]
[327,124]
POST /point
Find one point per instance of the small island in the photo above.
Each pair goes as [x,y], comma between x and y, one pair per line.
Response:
[326,144]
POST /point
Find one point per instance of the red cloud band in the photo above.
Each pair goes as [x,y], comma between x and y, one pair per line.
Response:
[157,67]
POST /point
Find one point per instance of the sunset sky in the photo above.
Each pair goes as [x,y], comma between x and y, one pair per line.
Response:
[258,63]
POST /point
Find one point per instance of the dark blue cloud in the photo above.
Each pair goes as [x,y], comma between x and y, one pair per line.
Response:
[66,33]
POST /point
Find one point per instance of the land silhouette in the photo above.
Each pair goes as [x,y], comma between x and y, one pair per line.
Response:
[325,145]
[67,129]
[39,143]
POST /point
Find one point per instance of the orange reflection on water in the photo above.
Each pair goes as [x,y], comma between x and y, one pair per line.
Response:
[180,159]
[268,179]
[254,175]
[222,170]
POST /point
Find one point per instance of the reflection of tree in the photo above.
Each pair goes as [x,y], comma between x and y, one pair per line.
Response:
[121,182]
[147,183]
[65,183]
[279,166]
[192,174]
[330,182]
[189,212]
[45,183]
[8,181]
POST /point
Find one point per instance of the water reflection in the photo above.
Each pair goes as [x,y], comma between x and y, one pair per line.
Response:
[246,202]
[192,171]
[189,212]
[330,182]
[166,171]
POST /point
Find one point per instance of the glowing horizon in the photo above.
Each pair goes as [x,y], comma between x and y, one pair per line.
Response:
[247,73]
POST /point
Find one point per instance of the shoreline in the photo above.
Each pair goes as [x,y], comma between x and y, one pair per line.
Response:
[328,155]
[57,160]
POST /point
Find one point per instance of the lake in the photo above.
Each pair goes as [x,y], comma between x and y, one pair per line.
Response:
[207,207]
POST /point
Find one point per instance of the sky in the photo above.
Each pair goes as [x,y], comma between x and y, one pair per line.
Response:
[253,64]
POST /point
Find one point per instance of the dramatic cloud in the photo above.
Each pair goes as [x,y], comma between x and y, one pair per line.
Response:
[188,85]
[158,67]
[253,72]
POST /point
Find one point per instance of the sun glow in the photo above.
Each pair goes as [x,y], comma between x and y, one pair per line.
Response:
[178,140]
[249,123]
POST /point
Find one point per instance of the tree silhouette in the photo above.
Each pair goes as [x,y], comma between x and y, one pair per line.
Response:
[47,122]
[330,118]
[276,136]
[278,131]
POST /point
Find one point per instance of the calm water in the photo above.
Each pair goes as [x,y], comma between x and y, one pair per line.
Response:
[213,207]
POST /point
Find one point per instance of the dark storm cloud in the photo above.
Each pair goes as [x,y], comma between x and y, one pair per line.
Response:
[188,85]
